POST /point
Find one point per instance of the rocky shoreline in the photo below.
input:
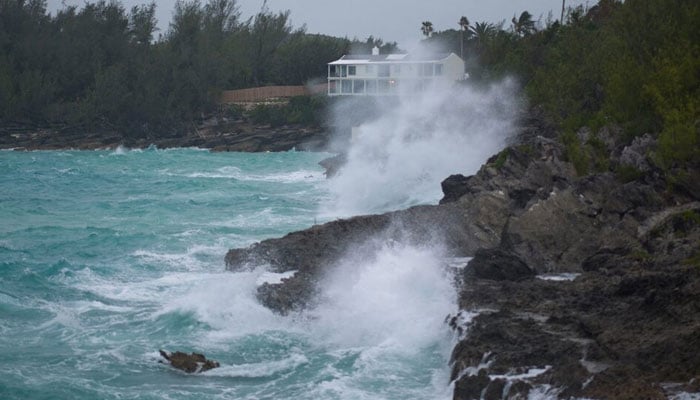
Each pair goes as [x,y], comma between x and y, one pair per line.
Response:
[580,286]
[216,134]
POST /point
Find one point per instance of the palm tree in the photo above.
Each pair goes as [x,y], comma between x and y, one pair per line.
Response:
[563,4]
[427,28]
[464,27]
[524,25]
[482,31]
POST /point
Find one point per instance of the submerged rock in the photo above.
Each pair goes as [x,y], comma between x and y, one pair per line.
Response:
[190,363]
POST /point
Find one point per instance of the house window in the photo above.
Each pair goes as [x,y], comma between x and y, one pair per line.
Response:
[383,70]
[438,69]
[371,86]
[359,87]
[343,71]
[352,70]
[334,71]
[346,86]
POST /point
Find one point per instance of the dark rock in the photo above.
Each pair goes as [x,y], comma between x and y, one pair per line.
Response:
[216,134]
[319,248]
[498,265]
[471,387]
[190,363]
[519,390]
[606,259]
[454,187]
[332,165]
[628,322]
[290,295]
[623,383]
[494,390]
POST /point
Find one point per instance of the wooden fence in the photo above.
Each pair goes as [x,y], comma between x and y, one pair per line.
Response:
[269,92]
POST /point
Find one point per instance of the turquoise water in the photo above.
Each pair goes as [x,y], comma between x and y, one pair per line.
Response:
[108,256]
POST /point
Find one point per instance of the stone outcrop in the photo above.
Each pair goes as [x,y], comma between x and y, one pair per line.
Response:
[317,249]
[621,320]
[190,363]
[497,265]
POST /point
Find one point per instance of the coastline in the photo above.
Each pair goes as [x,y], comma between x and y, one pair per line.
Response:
[582,286]
[621,324]
[215,135]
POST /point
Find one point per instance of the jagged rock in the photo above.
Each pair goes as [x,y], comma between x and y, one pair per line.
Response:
[454,187]
[291,294]
[630,316]
[470,387]
[498,265]
[311,251]
[636,154]
[190,363]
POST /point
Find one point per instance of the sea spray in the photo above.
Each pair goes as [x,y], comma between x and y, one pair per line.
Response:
[377,329]
[400,158]
[396,298]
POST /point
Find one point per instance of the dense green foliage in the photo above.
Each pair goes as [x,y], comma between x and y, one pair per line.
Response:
[100,67]
[304,110]
[635,64]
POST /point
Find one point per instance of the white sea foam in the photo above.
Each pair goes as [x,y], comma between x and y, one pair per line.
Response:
[395,299]
[232,172]
[400,158]
[226,302]
[274,278]
[187,260]
[566,276]
[531,373]
[257,370]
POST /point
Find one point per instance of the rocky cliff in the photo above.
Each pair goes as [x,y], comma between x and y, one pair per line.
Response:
[584,286]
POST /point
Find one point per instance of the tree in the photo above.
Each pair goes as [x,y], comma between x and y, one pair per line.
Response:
[563,6]
[142,23]
[524,25]
[482,31]
[427,28]
[266,33]
[464,27]
[221,16]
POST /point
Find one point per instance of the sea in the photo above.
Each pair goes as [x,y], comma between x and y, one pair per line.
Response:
[108,256]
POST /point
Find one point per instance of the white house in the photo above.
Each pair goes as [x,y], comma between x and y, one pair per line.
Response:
[389,74]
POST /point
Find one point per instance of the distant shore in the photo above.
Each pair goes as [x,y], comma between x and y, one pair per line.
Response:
[215,134]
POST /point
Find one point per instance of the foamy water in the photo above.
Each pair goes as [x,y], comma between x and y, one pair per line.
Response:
[106,257]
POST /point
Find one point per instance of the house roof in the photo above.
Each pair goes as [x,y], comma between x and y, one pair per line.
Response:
[389,58]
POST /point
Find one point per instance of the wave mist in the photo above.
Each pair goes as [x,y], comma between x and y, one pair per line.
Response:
[399,158]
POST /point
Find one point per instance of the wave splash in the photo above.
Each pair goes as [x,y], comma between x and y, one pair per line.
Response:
[399,159]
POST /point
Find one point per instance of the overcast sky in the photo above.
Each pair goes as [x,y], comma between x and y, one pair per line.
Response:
[391,20]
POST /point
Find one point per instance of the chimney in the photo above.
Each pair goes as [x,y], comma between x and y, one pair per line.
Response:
[375,51]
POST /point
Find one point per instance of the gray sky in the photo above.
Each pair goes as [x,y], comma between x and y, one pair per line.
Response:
[391,20]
